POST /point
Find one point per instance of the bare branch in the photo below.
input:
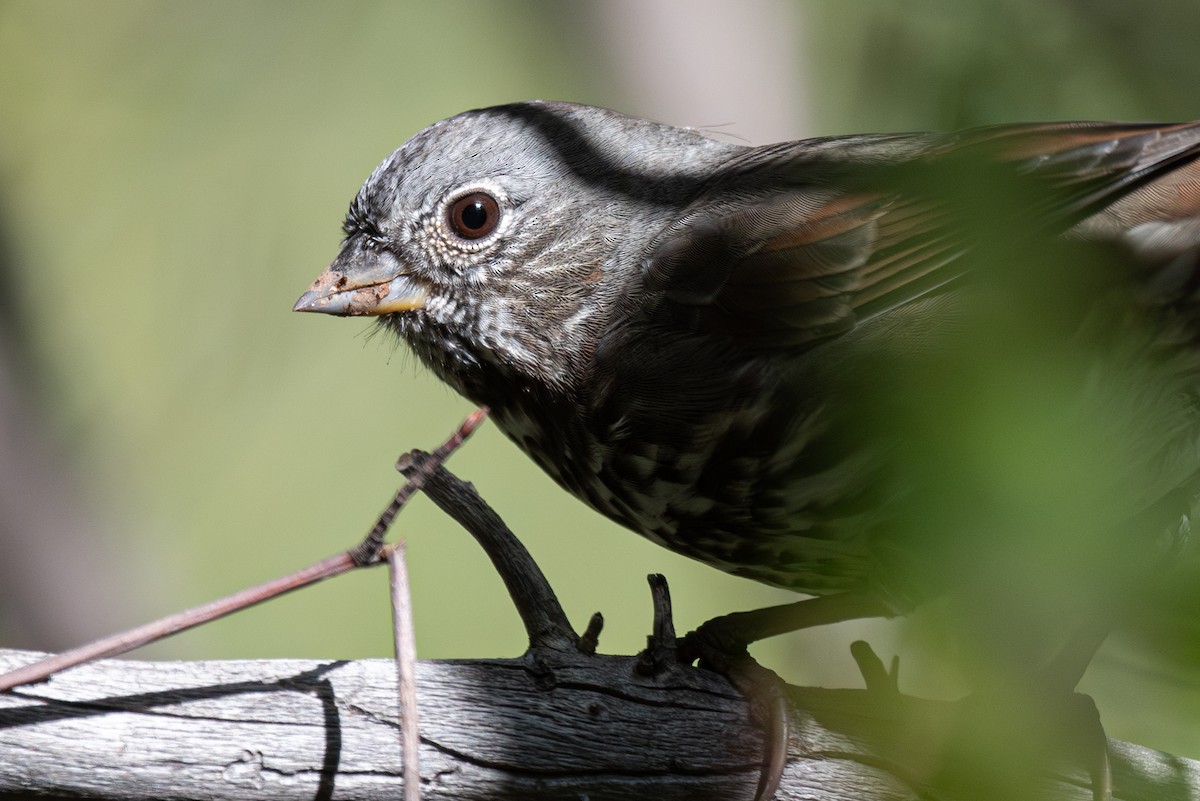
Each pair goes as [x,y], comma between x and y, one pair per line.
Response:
[552,724]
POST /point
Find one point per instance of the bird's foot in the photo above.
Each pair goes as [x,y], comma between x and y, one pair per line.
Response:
[1094,747]
[721,645]
[763,689]
[999,732]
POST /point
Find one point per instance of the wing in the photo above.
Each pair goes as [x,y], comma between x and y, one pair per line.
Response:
[801,242]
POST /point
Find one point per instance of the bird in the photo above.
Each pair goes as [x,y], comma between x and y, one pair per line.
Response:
[690,335]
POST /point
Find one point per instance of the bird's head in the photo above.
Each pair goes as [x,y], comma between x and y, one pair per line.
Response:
[500,240]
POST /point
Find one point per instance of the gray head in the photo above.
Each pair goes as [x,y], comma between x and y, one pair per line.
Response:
[499,240]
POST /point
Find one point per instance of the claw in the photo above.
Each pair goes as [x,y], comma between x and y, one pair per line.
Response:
[1102,781]
[1100,766]
[775,758]
[761,687]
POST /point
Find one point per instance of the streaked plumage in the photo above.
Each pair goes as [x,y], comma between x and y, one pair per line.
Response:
[667,323]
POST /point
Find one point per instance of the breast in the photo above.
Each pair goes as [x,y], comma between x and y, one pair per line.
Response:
[752,486]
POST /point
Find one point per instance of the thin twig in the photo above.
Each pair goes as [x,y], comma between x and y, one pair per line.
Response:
[364,554]
[406,670]
[145,634]
[367,551]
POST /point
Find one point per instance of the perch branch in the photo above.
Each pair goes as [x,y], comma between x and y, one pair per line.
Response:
[561,725]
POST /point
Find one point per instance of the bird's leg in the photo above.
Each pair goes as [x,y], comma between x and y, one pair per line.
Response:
[734,632]
[721,645]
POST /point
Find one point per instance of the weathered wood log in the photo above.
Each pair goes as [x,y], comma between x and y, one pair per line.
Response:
[547,725]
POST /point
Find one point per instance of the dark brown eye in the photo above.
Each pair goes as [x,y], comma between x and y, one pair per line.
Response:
[474,216]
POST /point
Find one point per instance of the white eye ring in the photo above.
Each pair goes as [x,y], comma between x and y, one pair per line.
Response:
[472,217]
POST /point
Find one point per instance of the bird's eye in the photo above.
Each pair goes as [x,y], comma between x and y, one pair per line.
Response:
[474,216]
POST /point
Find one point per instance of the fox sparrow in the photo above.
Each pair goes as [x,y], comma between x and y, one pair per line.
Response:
[681,331]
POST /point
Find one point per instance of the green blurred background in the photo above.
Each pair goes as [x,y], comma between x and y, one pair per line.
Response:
[173,175]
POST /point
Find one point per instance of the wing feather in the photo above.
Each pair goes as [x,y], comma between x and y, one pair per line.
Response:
[803,242]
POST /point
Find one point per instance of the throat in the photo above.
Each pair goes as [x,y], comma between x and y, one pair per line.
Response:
[497,362]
